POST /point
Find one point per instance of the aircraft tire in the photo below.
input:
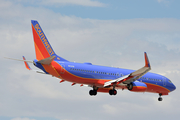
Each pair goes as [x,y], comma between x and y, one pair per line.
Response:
[160,99]
[93,92]
[112,92]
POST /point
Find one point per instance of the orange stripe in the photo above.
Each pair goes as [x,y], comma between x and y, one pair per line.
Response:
[39,43]
[39,55]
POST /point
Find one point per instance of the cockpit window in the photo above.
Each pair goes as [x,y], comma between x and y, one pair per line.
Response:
[169,81]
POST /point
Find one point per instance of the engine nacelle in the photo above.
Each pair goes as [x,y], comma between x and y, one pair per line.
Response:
[137,86]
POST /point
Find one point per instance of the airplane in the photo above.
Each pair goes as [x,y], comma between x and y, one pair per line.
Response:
[100,78]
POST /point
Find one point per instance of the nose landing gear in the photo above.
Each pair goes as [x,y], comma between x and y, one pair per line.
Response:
[160,98]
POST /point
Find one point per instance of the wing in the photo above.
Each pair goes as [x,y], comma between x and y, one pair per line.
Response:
[127,79]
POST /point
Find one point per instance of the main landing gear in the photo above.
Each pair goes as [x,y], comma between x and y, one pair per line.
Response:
[112,92]
[94,91]
[160,98]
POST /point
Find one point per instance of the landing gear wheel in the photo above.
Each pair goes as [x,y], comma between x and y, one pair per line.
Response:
[112,92]
[93,92]
[160,99]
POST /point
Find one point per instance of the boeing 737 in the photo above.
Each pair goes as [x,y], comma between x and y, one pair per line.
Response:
[99,78]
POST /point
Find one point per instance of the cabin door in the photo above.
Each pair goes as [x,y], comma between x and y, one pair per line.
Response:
[164,81]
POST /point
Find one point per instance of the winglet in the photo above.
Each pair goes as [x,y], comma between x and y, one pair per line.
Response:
[26,64]
[147,64]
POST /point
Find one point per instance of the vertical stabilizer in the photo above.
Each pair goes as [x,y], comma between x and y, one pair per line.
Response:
[43,48]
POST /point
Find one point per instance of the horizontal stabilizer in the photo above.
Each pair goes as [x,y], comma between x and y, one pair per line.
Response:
[47,61]
[26,64]
[18,59]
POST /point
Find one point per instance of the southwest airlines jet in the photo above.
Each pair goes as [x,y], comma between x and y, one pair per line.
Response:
[100,78]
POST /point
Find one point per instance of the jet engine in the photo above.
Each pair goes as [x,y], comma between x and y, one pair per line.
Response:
[137,86]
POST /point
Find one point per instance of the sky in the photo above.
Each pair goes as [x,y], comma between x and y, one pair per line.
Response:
[109,33]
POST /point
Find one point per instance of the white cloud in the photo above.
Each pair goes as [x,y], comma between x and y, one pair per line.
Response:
[110,109]
[57,3]
[165,2]
[74,2]
[18,118]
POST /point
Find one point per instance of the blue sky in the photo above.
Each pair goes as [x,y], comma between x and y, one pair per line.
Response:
[109,33]
[117,9]
[124,9]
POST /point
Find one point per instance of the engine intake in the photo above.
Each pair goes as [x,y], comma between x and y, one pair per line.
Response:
[137,86]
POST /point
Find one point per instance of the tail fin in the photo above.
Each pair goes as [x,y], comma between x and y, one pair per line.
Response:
[43,48]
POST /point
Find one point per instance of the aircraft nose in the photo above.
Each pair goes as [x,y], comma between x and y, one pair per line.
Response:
[173,87]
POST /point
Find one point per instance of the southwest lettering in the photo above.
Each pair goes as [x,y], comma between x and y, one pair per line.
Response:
[44,40]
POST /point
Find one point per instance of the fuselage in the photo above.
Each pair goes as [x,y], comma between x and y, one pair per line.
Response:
[86,73]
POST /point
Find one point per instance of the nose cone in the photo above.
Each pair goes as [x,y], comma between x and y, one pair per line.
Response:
[173,87]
